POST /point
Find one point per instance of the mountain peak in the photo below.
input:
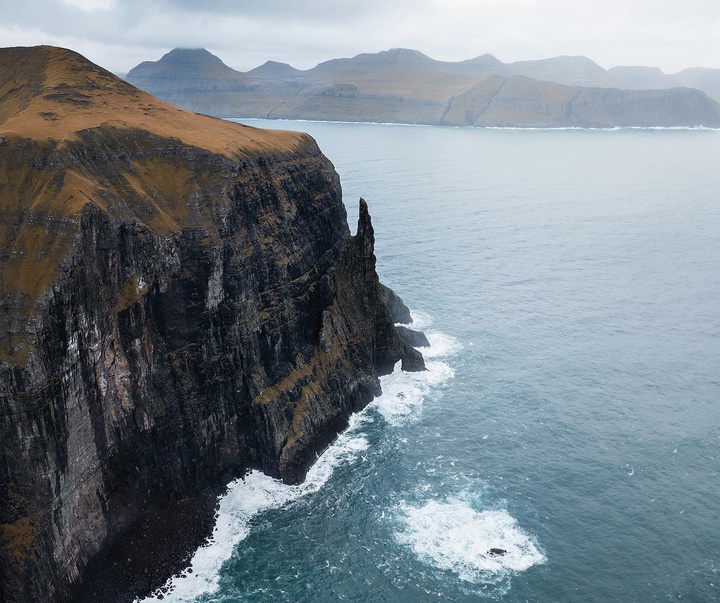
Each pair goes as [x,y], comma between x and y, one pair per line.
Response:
[385,59]
[486,57]
[565,69]
[187,63]
[191,55]
[399,56]
[274,68]
[44,84]
[486,61]
[405,52]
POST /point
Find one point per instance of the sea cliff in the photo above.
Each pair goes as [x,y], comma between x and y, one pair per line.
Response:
[181,300]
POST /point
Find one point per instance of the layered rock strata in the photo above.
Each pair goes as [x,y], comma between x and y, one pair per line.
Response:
[180,301]
[405,86]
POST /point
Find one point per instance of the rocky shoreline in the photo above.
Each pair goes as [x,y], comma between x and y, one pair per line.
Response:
[156,547]
[161,542]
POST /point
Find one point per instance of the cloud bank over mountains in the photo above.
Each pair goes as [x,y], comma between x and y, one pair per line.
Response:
[120,33]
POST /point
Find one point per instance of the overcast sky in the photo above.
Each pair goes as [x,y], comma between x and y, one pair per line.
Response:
[118,34]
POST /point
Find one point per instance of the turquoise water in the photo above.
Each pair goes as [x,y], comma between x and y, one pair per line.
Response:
[570,284]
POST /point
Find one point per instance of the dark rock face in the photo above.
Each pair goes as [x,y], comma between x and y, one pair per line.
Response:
[416,339]
[161,363]
[398,310]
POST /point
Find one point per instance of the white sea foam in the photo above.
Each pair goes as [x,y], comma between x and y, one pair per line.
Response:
[441,346]
[452,536]
[420,320]
[245,499]
[403,393]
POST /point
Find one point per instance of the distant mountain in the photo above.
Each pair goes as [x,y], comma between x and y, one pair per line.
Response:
[485,62]
[581,71]
[407,86]
[572,71]
[638,77]
[186,74]
[179,61]
[707,80]
[273,68]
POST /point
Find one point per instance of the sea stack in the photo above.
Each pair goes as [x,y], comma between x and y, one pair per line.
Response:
[180,301]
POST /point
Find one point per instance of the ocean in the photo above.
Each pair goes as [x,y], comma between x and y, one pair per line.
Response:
[569,283]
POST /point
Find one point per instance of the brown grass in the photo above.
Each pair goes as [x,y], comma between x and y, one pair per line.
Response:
[44,81]
[18,539]
[48,98]
[132,291]
[34,249]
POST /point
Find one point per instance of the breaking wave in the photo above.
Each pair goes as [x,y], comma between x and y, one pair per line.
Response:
[246,498]
[452,536]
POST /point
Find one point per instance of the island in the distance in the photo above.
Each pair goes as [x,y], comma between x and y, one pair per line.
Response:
[406,86]
[181,301]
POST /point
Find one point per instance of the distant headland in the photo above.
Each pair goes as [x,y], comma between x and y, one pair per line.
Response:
[406,86]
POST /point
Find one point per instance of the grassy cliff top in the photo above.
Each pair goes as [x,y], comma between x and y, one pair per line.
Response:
[71,134]
[54,93]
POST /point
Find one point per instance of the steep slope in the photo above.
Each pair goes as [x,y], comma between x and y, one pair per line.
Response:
[406,86]
[524,102]
[702,78]
[180,301]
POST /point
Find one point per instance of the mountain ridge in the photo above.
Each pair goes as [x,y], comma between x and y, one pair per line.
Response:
[407,86]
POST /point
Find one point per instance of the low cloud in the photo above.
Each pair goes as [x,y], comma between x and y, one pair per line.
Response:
[120,33]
